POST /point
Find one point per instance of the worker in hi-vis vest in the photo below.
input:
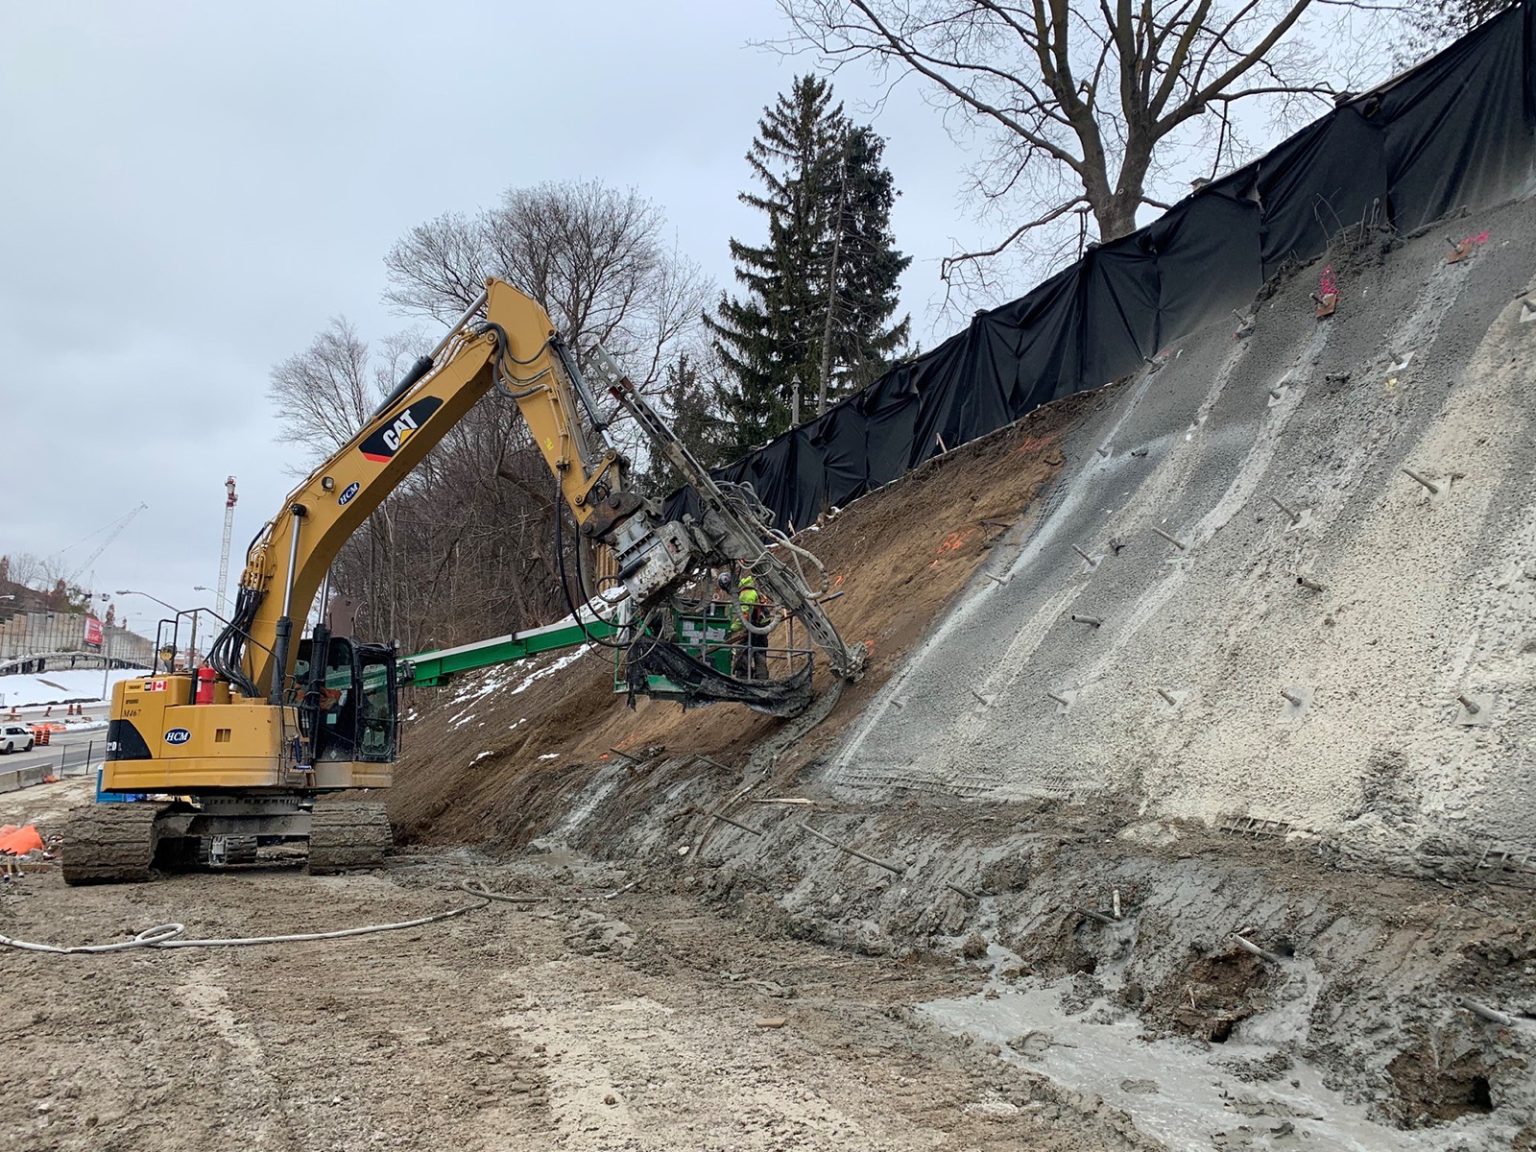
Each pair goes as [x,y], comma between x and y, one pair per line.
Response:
[752,659]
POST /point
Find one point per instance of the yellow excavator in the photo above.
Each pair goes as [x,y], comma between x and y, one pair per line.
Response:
[253,747]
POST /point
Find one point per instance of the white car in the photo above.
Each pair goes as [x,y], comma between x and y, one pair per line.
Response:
[15,738]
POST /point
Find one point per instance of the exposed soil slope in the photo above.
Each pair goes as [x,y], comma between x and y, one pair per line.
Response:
[898,556]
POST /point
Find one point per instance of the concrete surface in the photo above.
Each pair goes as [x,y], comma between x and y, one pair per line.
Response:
[1424,596]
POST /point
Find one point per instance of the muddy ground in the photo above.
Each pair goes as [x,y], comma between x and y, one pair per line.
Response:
[644,1021]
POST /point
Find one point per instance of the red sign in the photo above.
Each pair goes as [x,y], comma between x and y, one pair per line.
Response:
[93,631]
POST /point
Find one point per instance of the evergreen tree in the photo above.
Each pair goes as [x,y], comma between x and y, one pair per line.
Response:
[827,198]
[692,404]
[866,269]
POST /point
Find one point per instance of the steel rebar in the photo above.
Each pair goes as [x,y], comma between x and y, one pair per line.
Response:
[1262,953]
[864,856]
[1483,1012]
[1287,509]
[734,823]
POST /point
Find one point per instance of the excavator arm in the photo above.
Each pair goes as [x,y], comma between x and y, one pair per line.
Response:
[505,340]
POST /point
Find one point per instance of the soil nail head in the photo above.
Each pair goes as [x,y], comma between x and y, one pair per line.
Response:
[1471,706]
[1062,700]
[1091,561]
[1173,701]
[1277,393]
[1434,489]
[1172,539]
[1293,697]
[1287,509]
[1091,621]
[1310,585]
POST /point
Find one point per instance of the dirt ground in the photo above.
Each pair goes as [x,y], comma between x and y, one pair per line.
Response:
[637,1022]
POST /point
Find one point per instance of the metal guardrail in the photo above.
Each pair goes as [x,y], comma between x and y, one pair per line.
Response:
[72,760]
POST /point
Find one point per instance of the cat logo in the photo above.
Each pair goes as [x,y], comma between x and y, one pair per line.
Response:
[386,441]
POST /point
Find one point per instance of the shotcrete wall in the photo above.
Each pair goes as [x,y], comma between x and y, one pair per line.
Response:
[1423,596]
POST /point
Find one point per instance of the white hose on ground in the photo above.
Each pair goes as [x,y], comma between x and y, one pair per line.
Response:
[476,888]
[168,935]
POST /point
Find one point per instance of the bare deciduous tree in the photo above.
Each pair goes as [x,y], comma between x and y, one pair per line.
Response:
[1429,25]
[1083,108]
[465,547]
[593,256]
[325,393]
[28,570]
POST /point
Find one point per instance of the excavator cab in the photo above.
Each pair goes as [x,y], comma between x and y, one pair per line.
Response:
[353,715]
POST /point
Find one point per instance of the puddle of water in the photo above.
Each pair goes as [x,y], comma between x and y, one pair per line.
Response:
[1171,1089]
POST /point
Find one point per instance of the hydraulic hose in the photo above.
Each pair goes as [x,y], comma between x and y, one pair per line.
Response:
[169,935]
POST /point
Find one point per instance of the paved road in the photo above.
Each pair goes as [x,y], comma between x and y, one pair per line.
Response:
[71,751]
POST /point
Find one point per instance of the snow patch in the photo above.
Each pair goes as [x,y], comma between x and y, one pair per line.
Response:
[28,690]
[564,662]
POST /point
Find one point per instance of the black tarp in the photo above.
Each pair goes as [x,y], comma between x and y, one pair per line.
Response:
[1456,131]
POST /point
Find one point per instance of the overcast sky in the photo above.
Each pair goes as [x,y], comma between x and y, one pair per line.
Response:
[192,189]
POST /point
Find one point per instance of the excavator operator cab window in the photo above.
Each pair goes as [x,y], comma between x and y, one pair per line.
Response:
[377,702]
[335,711]
[355,710]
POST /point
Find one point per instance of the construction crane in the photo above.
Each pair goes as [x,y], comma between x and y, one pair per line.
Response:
[229,526]
[113,530]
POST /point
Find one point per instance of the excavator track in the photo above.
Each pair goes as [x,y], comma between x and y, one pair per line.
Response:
[111,844]
[345,835]
[237,850]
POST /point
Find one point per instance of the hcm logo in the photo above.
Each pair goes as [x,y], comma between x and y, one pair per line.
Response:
[389,439]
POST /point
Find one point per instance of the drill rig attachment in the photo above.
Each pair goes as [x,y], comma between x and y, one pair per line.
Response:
[733,529]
